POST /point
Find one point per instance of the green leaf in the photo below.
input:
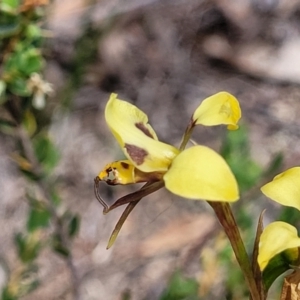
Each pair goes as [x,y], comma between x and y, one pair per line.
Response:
[7,294]
[3,99]
[255,267]
[236,152]
[29,122]
[74,225]
[29,279]
[31,175]
[28,248]
[31,61]
[274,166]
[276,266]
[18,86]
[58,247]
[24,61]
[126,295]
[290,215]
[9,29]
[180,288]
[46,152]
[55,197]
[33,32]
[39,217]
[9,6]
[7,126]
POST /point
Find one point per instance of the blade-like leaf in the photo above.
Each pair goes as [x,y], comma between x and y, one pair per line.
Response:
[255,267]
[120,223]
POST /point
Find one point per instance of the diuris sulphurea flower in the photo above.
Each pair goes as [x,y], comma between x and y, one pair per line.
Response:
[197,173]
[281,238]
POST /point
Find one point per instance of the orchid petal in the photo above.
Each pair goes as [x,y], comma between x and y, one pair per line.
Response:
[220,108]
[136,137]
[285,188]
[276,238]
[201,173]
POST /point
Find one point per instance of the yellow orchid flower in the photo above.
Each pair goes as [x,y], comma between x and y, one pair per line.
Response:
[195,173]
[276,238]
[280,237]
[285,188]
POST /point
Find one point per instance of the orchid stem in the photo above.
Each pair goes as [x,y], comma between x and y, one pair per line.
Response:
[227,220]
[187,135]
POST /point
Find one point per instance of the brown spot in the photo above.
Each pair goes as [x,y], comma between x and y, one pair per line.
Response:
[125,165]
[144,129]
[136,154]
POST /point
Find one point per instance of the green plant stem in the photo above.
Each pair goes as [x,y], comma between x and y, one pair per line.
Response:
[227,220]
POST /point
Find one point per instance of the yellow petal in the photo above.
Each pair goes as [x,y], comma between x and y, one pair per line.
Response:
[276,237]
[124,172]
[220,108]
[285,188]
[136,137]
[201,173]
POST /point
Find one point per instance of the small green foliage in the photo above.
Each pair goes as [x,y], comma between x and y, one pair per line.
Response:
[39,217]
[233,276]
[19,87]
[29,122]
[8,295]
[7,127]
[236,151]
[45,151]
[28,247]
[126,295]
[2,92]
[276,267]
[9,25]
[19,66]
[33,32]
[23,93]
[9,6]
[274,165]
[25,282]
[73,225]
[181,288]
[59,247]
[55,197]
[290,215]
[30,175]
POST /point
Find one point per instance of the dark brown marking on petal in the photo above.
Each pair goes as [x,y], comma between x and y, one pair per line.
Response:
[125,165]
[137,154]
[144,129]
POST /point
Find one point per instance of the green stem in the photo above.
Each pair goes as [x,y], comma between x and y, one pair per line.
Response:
[227,220]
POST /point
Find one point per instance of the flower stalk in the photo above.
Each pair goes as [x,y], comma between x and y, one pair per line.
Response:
[187,135]
[228,222]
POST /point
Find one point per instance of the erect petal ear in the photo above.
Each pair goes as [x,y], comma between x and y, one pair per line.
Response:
[201,173]
[137,138]
[220,108]
[276,238]
[285,188]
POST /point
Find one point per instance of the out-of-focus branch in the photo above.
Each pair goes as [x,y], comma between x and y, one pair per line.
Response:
[37,170]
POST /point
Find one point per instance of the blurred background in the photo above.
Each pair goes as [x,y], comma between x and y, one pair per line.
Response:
[165,56]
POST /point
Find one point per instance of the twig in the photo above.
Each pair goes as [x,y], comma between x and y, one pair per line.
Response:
[37,170]
[59,229]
